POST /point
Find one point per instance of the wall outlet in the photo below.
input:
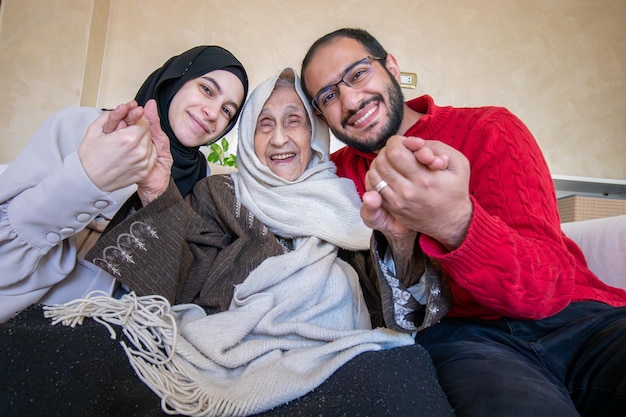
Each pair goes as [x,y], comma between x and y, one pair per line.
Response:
[408,79]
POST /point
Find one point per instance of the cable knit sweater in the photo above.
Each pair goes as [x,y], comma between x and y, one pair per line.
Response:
[515,260]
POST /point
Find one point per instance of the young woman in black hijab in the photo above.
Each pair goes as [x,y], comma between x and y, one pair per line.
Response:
[164,83]
[60,192]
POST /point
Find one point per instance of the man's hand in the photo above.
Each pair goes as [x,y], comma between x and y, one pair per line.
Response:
[427,191]
[157,180]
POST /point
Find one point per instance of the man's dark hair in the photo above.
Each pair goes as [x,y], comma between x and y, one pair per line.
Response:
[371,45]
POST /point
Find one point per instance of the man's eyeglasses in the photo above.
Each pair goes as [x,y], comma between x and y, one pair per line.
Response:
[355,76]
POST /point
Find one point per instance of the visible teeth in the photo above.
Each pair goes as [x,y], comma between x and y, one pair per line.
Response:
[365,116]
[283,156]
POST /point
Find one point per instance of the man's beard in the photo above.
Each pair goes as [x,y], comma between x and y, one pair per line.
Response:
[396,112]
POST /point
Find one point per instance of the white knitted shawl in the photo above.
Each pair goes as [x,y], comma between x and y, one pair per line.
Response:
[295,319]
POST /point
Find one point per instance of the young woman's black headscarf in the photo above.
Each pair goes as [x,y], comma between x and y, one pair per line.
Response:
[189,163]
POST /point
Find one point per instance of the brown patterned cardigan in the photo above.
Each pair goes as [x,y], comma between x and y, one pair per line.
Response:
[198,248]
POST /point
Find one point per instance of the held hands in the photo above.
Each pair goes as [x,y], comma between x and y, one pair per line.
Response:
[127,146]
[121,157]
[427,191]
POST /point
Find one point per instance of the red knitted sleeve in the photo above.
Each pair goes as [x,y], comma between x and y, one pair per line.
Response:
[514,260]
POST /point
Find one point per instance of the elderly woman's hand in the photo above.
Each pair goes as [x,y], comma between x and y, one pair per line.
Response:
[156,182]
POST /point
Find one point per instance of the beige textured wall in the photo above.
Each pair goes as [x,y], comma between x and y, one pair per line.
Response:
[558,64]
[42,61]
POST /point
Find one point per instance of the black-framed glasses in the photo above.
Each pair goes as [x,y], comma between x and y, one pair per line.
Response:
[355,76]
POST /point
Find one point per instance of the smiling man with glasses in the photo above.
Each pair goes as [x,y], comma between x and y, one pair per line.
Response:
[465,218]
[361,75]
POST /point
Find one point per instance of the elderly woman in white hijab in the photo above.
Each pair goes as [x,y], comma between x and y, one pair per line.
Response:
[264,310]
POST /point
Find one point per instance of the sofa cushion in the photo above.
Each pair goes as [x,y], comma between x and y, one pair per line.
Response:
[603,241]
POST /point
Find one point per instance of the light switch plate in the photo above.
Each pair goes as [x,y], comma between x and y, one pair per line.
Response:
[408,79]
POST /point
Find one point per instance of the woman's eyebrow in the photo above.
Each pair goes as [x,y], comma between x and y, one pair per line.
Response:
[215,83]
[218,87]
[296,107]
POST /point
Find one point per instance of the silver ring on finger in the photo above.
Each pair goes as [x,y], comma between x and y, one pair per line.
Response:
[381,184]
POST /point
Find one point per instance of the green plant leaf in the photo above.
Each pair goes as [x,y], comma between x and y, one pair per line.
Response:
[216,148]
[230,161]
[213,157]
[217,155]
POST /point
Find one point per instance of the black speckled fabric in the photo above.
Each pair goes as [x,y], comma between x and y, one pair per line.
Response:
[63,371]
[399,382]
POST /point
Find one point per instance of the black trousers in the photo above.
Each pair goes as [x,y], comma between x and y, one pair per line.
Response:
[62,371]
[570,364]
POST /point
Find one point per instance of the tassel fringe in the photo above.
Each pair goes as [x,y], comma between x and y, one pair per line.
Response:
[148,324]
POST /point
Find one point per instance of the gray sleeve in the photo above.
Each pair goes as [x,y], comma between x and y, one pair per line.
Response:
[46,199]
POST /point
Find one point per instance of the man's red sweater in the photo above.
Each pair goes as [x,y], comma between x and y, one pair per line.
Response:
[515,260]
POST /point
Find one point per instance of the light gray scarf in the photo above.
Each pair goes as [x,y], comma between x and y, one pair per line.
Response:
[318,203]
[296,318]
